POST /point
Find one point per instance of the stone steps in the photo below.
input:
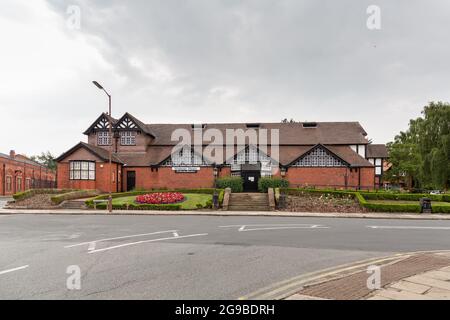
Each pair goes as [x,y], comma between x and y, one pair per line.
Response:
[73,204]
[249,202]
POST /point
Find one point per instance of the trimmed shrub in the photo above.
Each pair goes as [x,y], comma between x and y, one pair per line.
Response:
[58,199]
[236,184]
[440,209]
[401,196]
[265,183]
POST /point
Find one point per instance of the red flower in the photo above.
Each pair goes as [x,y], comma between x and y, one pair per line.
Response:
[160,198]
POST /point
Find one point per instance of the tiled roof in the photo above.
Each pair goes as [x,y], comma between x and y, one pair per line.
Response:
[22,159]
[103,154]
[377,151]
[345,133]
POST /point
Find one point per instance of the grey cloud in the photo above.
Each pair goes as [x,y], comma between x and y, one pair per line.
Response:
[302,59]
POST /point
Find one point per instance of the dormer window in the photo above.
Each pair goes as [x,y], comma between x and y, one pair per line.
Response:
[103,138]
[128,138]
[309,124]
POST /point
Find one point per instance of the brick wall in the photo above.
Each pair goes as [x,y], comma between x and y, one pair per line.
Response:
[332,177]
[165,177]
[22,176]
[101,178]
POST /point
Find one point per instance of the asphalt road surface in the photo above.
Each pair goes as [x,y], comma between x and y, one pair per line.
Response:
[188,257]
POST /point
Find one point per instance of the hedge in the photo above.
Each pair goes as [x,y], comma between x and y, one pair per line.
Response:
[58,199]
[236,184]
[403,196]
[32,192]
[362,198]
[171,207]
[265,183]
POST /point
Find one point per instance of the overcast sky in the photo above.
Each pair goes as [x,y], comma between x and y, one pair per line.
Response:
[216,61]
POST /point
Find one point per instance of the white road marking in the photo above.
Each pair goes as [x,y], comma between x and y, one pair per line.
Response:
[147,241]
[91,246]
[256,227]
[408,227]
[15,269]
[117,238]
[175,234]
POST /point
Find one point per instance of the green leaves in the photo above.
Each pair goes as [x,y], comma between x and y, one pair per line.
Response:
[422,153]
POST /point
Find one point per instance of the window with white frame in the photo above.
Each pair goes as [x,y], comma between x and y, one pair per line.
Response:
[103,138]
[82,170]
[319,158]
[128,138]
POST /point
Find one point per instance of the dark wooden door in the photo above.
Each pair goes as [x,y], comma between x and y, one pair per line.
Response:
[251,180]
[131,180]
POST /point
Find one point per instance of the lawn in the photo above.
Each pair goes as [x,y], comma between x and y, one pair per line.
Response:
[190,202]
[438,203]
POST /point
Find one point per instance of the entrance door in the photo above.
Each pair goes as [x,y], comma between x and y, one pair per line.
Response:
[131,180]
[250,180]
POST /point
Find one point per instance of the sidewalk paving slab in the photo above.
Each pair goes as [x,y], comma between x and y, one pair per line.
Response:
[411,287]
[410,278]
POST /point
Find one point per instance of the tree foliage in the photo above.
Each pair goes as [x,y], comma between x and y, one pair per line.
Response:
[46,159]
[422,153]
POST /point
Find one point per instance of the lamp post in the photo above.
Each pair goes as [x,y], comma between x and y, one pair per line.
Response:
[110,147]
[215,194]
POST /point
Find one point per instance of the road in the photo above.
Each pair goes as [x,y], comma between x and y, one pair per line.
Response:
[189,257]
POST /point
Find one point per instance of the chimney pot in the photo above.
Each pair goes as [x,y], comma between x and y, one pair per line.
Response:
[12,154]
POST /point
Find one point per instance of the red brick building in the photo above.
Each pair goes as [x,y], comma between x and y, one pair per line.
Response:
[322,154]
[19,173]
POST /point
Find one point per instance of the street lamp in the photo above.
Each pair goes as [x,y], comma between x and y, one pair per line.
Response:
[110,147]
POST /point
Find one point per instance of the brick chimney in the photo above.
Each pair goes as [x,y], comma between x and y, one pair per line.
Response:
[12,154]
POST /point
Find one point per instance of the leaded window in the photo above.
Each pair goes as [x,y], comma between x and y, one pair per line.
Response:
[82,170]
[319,158]
[103,138]
[185,157]
[128,138]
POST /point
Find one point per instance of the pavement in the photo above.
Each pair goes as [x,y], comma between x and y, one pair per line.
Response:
[190,256]
[415,276]
[4,200]
[371,215]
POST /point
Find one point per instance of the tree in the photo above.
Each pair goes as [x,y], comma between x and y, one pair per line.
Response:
[46,159]
[422,153]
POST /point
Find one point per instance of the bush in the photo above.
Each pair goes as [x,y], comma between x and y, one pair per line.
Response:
[169,207]
[401,196]
[265,183]
[236,184]
[58,199]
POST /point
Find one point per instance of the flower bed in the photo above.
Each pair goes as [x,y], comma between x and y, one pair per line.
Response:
[160,198]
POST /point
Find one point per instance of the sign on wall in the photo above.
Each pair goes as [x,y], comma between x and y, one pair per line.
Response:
[185,169]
